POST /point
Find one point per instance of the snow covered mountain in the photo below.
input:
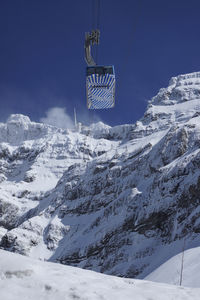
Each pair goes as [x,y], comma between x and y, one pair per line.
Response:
[118,200]
[31,279]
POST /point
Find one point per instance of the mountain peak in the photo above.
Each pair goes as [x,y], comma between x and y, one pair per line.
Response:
[186,78]
[20,128]
[180,89]
[177,103]
[18,118]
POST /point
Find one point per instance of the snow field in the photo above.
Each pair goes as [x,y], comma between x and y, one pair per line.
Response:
[22,278]
[170,271]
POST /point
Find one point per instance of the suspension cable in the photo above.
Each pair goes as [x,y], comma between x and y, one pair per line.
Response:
[98,25]
[95,23]
[93,14]
[98,13]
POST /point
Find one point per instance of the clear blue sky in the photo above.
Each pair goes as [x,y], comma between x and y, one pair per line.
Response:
[42,53]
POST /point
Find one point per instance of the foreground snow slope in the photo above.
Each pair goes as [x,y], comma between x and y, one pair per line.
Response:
[22,278]
[116,200]
[170,271]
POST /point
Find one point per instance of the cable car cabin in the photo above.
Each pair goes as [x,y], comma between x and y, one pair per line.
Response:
[100,87]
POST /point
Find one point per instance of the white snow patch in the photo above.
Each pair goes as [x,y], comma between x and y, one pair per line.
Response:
[170,271]
[24,278]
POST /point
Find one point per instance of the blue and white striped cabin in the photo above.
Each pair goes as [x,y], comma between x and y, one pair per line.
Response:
[100,87]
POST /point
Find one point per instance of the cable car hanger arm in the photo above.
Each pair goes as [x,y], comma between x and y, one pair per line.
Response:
[91,39]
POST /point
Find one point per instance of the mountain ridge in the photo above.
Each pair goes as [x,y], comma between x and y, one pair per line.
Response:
[109,199]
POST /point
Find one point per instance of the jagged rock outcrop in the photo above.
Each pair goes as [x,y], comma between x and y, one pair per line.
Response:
[117,200]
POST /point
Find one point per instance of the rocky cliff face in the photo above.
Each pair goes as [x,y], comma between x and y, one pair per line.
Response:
[117,200]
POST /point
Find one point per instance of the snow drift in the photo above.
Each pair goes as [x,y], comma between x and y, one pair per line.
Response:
[32,279]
